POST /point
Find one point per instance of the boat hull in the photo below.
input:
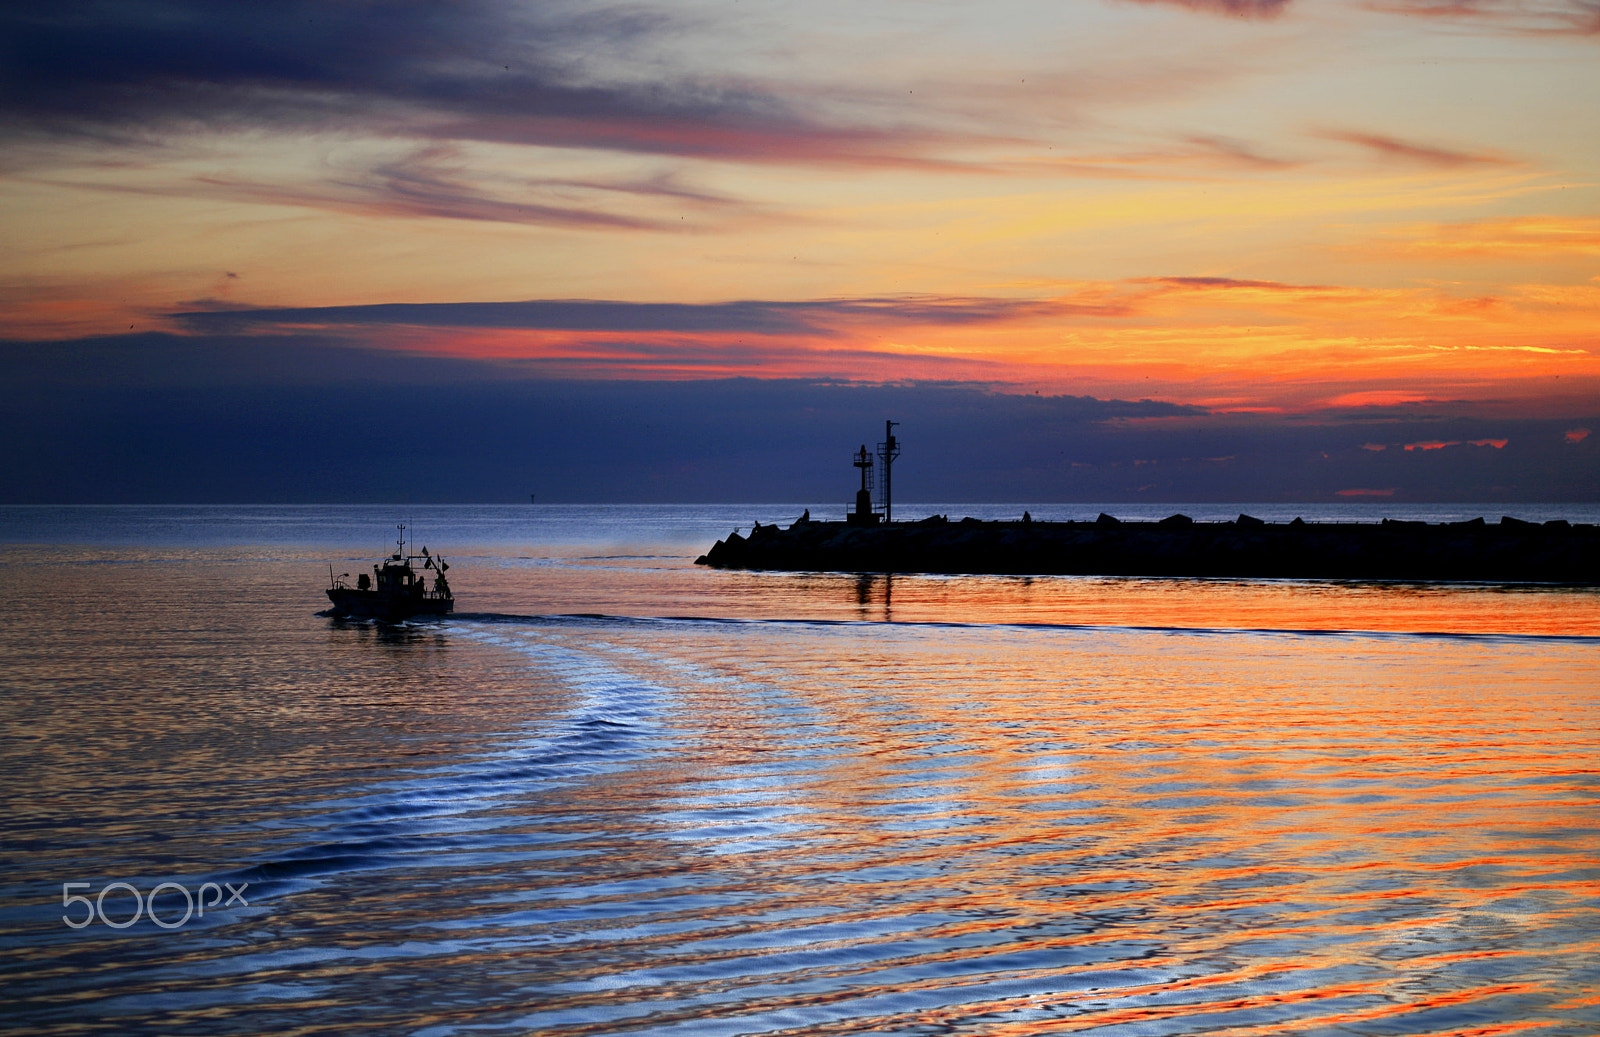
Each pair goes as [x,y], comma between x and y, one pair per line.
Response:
[371,604]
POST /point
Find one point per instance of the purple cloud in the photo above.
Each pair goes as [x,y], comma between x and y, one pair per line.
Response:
[144,70]
[1231,282]
[1231,8]
[1410,151]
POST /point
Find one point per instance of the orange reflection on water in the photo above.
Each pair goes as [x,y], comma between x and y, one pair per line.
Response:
[1409,807]
[640,587]
[1223,604]
[963,821]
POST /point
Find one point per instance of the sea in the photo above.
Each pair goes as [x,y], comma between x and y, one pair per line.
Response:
[619,793]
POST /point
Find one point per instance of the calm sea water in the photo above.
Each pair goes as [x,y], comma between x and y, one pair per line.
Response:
[618,793]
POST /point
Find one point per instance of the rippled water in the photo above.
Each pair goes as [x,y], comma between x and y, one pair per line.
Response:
[806,805]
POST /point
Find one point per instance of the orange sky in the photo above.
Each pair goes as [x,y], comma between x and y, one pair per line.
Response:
[1252,205]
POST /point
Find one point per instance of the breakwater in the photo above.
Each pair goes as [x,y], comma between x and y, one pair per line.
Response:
[1509,550]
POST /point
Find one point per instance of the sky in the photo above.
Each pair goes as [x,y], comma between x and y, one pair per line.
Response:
[381,250]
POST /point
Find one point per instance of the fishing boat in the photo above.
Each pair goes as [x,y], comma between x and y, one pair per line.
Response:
[397,588]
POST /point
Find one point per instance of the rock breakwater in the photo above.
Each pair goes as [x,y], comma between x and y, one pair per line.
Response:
[1510,550]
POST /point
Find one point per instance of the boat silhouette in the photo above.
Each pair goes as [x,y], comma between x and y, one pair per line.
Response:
[397,588]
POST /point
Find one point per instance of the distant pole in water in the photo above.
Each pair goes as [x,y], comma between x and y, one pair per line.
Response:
[888,450]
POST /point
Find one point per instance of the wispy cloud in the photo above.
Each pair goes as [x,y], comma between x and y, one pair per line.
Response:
[1234,152]
[1232,283]
[1414,152]
[808,317]
[1231,8]
[437,181]
[472,70]
[1518,17]
[409,195]
[1188,157]
[1512,236]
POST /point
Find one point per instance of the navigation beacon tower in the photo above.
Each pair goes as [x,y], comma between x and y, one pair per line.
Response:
[863,514]
[888,450]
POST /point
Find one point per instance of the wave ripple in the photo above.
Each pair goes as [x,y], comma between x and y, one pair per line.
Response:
[713,828]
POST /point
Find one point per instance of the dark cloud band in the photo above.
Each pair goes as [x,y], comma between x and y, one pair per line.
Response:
[145,70]
[186,419]
[810,317]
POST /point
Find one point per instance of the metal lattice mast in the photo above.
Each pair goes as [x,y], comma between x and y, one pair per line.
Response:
[888,450]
